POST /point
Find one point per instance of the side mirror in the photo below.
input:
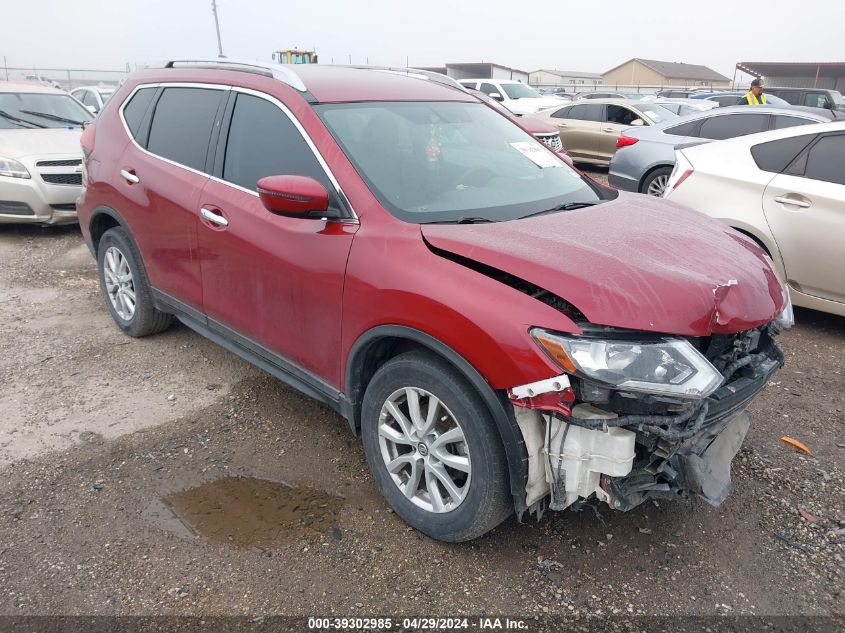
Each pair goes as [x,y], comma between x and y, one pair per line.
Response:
[91,109]
[637,122]
[496,96]
[296,196]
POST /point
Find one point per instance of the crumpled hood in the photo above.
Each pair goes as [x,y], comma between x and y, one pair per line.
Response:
[40,142]
[636,262]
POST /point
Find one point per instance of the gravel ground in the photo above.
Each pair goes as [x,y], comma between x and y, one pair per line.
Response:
[102,435]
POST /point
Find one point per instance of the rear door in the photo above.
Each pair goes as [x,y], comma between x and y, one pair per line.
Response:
[162,173]
[580,128]
[272,284]
[805,209]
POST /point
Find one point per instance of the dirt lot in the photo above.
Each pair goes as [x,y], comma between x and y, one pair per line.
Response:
[101,436]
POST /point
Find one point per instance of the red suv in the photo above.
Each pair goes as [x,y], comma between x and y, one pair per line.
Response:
[503,333]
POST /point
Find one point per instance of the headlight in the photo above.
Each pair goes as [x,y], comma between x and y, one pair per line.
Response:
[12,168]
[786,318]
[671,367]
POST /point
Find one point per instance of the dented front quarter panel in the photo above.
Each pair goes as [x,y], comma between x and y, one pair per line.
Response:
[635,262]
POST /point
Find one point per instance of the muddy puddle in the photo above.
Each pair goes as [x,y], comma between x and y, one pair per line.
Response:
[247,512]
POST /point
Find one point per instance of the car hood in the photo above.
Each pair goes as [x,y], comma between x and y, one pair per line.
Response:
[634,262]
[22,143]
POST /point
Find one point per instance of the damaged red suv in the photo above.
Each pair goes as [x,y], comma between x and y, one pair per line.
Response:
[504,334]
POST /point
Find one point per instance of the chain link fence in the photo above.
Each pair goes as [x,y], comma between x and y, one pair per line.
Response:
[64,78]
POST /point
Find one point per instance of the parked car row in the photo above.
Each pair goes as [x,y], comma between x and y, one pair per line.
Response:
[589,129]
[644,157]
[785,189]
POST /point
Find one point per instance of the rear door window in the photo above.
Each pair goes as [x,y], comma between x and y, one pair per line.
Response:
[593,112]
[824,160]
[792,97]
[182,125]
[263,141]
[733,125]
[775,156]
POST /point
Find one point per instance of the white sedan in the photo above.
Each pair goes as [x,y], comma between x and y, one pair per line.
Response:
[786,190]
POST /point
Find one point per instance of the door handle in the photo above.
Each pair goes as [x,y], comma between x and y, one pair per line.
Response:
[129,176]
[608,129]
[214,218]
[796,202]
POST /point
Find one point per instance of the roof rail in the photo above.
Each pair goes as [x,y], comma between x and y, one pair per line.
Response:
[276,71]
[418,73]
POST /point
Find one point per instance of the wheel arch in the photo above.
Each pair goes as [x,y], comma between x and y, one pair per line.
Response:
[650,171]
[104,218]
[380,344]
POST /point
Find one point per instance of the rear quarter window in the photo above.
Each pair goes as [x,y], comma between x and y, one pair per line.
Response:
[684,129]
[775,156]
[136,108]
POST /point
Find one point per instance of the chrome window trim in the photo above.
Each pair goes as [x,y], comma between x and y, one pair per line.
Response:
[224,87]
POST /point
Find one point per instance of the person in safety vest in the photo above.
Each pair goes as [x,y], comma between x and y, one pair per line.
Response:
[754,96]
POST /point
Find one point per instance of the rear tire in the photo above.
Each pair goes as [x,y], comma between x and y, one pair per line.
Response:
[444,473]
[655,183]
[123,281]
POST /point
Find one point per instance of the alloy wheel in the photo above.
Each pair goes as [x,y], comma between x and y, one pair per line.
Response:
[120,286]
[657,186]
[424,450]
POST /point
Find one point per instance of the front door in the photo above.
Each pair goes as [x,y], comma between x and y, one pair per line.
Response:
[805,209]
[273,284]
[616,119]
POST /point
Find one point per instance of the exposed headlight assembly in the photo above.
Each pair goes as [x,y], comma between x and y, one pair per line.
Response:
[671,367]
[12,168]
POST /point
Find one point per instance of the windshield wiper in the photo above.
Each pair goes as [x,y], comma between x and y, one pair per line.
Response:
[52,117]
[566,206]
[15,119]
[465,219]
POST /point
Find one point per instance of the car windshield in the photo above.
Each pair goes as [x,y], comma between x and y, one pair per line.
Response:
[521,91]
[39,110]
[452,161]
[657,113]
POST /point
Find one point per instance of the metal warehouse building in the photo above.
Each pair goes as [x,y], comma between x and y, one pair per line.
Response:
[829,75]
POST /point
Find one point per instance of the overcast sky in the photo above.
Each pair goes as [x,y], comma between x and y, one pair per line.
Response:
[585,36]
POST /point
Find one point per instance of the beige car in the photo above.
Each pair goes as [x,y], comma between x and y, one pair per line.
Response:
[589,129]
[785,189]
[40,156]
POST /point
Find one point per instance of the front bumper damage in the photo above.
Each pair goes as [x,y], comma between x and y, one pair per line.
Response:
[586,440]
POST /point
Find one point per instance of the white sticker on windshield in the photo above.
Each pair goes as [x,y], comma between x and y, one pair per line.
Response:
[536,154]
[651,114]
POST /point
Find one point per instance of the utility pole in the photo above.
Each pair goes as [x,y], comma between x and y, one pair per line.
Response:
[217,26]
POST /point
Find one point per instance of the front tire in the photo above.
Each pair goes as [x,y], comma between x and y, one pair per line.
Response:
[433,449]
[123,282]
